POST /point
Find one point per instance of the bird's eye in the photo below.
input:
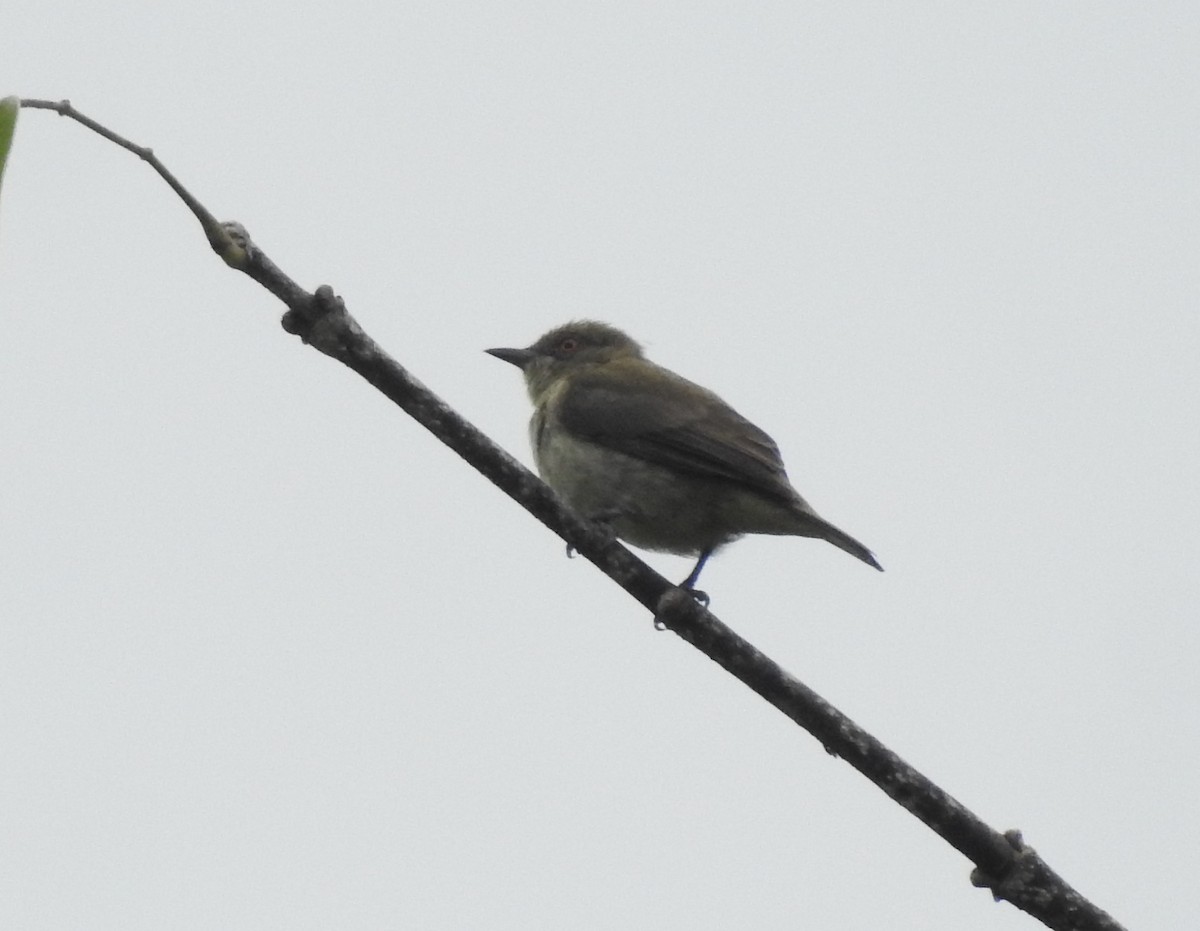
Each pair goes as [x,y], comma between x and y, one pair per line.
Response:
[568,346]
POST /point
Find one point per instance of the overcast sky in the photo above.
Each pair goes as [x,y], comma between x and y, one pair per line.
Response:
[272,657]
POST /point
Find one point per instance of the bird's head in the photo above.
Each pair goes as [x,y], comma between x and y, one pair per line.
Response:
[567,349]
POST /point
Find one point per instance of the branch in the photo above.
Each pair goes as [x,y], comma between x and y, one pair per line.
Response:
[1011,870]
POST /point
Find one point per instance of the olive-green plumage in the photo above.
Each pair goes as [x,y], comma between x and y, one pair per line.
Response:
[664,462]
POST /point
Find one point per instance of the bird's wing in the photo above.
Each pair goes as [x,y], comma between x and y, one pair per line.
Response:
[655,415]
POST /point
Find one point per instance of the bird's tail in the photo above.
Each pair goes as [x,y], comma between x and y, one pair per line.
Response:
[844,541]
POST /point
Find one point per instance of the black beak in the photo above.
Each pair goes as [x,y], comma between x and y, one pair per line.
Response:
[518,357]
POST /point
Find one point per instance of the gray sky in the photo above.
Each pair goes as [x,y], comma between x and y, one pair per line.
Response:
[271,657]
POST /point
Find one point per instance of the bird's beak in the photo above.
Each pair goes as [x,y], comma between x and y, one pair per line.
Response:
[518,357]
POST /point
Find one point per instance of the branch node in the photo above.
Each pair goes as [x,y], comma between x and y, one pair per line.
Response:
[232,243]
[322,322]
[1013,883]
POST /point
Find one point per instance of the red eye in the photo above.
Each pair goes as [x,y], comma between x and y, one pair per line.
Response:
[568,345]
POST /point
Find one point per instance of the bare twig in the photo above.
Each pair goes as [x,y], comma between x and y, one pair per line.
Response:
[1012,871]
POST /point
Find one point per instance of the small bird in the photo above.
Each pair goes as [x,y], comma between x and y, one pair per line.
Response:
[663,462]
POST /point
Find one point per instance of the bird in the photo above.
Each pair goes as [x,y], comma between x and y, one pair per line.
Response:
[664,463]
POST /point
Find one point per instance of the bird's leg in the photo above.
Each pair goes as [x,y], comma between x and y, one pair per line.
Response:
[688,584]
[604,520]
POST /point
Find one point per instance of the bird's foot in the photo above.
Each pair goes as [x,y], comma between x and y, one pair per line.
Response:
[677,607]
[701,598]
[688,584]
[604,523]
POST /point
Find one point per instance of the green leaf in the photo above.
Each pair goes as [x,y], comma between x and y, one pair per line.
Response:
[9,108]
